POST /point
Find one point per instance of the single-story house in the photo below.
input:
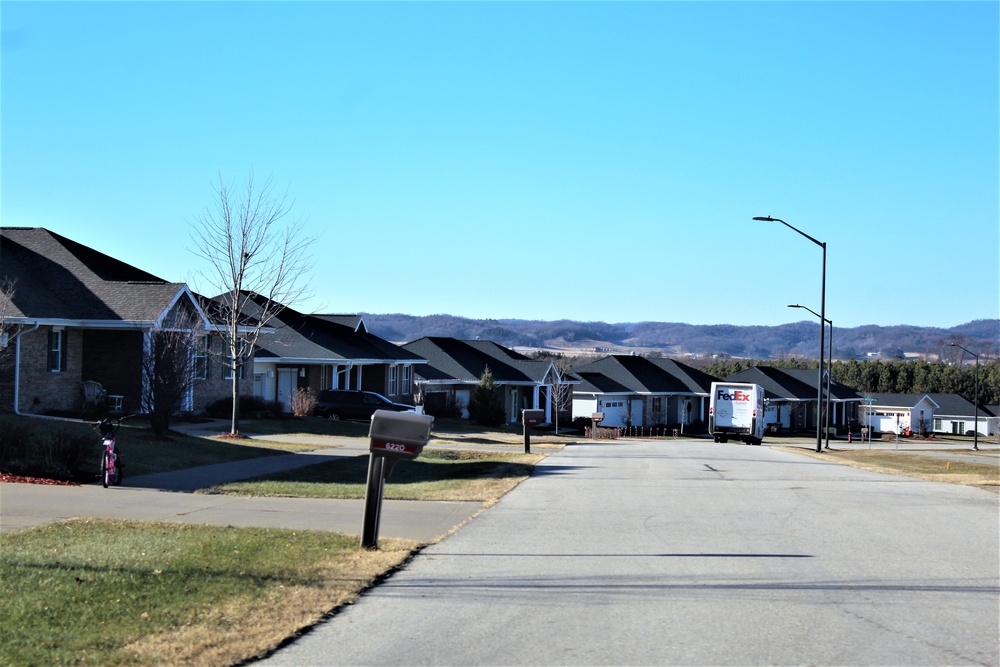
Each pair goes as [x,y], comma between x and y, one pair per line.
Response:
[926,413]
[637,391]
[317,352]
[898,413]
[75,325]
[958,415]
[455,368]
[791,396]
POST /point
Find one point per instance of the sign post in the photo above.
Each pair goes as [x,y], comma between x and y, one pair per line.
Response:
[530,418]
[869,401]
[394,436]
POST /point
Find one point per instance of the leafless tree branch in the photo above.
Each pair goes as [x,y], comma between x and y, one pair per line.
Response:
[257,261]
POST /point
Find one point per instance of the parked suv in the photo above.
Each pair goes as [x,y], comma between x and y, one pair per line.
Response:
[343,404]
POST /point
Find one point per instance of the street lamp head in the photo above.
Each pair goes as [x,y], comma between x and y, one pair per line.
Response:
[765,218]
[795,305]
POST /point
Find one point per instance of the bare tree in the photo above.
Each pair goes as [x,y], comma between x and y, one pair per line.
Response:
[258,263]
[562,393]
[168,373]
[6,301]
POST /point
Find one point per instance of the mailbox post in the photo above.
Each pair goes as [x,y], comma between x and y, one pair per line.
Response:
[595,419]
[394,436]
[530,418]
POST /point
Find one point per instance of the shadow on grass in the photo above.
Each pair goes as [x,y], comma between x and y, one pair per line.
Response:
[347,476]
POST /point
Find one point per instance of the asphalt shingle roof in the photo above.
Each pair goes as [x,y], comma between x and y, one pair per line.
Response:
[790,383]
[465,361]
[299,336]
[633,374]
[57,278]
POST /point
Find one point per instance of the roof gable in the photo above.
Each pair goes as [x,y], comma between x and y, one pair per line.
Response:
[617,373]
[60,279]
[901,400]
[466,360]
[789,383]
[297,335]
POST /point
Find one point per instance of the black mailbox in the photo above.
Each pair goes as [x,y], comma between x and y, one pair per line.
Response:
[394,436]
[533,417]
[401,434]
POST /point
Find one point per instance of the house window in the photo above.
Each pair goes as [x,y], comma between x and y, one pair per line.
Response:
[392,380]
[201,364]
[657,404]
[57,351]
[938,424]
[227,372]
[407,380]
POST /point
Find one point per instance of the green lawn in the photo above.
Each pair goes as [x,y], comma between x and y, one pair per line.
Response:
[105,592]
[438,474]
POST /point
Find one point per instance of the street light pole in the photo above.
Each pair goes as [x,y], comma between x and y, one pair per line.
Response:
[822,329]
[829,373]
[975,429]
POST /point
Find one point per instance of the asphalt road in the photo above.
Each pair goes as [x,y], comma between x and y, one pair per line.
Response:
[691,553]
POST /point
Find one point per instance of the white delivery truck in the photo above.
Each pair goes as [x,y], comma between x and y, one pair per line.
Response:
[736,410]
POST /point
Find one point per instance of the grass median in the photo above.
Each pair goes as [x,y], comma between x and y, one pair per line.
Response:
[439,474]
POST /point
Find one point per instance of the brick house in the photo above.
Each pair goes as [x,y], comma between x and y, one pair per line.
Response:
[72,316]
[454,368]
[317,352]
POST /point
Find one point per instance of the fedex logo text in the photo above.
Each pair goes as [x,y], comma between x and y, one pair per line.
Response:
[737,395]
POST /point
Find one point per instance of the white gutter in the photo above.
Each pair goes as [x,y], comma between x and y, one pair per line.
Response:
[17,364]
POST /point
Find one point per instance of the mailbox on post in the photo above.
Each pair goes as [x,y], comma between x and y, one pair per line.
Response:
[400,434]
[394,436]
[596,418]
[530,418]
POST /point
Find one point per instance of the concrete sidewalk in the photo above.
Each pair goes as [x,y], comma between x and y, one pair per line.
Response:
[26,505]
[168,497]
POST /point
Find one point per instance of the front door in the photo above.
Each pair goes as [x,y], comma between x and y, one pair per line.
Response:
[286,387]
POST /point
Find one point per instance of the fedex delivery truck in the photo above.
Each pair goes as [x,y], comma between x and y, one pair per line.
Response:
[736,410]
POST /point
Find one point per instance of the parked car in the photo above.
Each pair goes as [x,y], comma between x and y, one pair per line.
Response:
[345,404]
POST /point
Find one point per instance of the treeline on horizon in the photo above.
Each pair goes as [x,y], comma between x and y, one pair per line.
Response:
[889,377]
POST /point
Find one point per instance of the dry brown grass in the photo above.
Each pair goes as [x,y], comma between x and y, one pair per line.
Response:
[953,470]
[253,626]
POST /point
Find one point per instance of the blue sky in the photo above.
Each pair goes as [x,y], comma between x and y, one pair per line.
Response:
[589,161]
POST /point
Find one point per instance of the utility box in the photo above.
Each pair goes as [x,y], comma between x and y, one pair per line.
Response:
[533,417]
[400,434]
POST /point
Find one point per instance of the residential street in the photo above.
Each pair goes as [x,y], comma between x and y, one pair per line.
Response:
[641,553]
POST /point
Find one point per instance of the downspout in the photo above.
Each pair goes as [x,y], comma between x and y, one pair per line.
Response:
[17,365]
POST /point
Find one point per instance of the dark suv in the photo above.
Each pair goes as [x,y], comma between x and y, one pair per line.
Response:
[343,404]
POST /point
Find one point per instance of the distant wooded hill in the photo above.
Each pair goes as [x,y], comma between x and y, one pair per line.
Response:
[676,339]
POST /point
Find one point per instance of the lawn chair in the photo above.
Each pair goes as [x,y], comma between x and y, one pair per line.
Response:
[93,394]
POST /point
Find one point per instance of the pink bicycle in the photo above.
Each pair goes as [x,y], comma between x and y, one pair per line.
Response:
[111,461]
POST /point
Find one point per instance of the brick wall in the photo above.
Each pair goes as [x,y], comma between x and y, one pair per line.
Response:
[42,390]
